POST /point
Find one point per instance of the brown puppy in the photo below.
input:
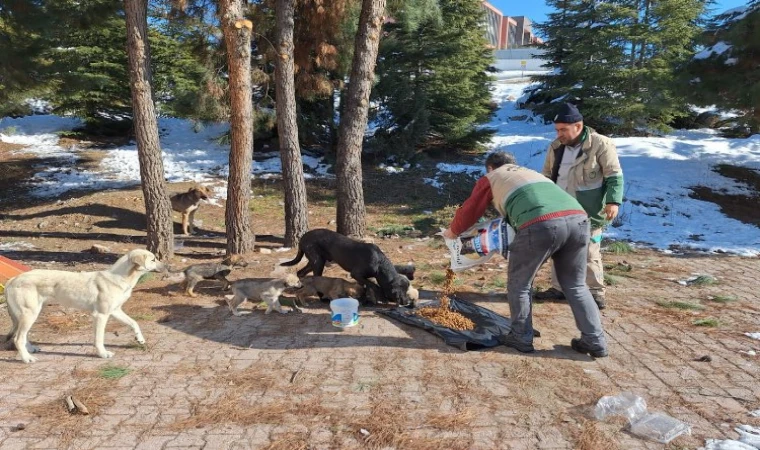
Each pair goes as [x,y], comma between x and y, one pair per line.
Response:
[186,203]
[326,287]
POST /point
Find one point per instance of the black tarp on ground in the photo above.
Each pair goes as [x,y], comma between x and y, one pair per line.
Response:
[488,325]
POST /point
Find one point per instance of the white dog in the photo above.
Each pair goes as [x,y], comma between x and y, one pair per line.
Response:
[266,291]
[100,293]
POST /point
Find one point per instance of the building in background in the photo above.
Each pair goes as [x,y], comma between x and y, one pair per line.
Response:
[504,32]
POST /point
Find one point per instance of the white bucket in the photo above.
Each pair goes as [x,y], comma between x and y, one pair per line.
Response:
[345,312]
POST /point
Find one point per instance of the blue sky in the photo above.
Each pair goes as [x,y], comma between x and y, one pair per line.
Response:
[537,9]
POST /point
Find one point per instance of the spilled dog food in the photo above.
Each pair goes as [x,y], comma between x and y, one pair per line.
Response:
[443,315]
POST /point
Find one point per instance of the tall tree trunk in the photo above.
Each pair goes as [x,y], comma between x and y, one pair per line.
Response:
[237,39]
[157,206]
[296,217]
[351,214]
[636,30]
[643,42]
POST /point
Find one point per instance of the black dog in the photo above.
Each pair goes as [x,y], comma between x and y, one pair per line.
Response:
[407,270]
[361,259]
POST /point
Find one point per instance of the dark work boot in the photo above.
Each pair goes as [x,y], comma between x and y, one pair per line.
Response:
[510,341]
[580,347]
[549,294]
[601,303]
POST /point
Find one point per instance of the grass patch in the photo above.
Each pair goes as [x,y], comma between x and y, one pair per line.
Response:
[498,283]
[145,277]
[395,230]
[112,372]
[703,280]
[718,298]
[440,218]
[134,345]
[680,305]
[437,277]
[611,280]
[619,267]
[437,243]
[144,316]
[619,248]
[707,322]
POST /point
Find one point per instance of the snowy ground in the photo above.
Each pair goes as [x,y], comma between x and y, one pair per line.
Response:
[658,171]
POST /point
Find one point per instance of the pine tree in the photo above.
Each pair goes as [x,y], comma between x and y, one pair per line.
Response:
[296,208]
[72,53]
[350,209]
[433,86]
[158,211]
[237,39]
[726,72]
[618,60]
[22,27]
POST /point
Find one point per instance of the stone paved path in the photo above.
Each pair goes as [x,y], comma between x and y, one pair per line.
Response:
[210,380]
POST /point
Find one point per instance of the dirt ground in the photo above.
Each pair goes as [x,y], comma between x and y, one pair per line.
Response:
[207,379]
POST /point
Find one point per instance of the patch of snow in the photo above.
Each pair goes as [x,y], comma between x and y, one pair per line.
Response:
[718,49]
[189,153]
[731,61]
[433,182]
[392,168]
[658,210]
[753,335]
[15,245]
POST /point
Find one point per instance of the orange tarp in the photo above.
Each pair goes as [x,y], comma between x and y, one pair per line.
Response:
[10,268]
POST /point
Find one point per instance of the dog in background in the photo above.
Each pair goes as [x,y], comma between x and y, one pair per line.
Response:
[101,293]
[210,271]
[187,203]
[374,295]
[328,288]
[406,270]
[257,290]
[362,260]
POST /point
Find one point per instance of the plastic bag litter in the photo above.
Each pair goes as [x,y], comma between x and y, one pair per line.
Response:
[749,435]
[480,243]
[656,426]
[627,404]
[725,444]
[749,439]
[659,427]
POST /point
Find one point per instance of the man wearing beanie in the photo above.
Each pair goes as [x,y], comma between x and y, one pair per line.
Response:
[585,164]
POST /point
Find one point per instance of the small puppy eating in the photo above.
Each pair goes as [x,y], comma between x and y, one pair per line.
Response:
[257,290]
[328,288]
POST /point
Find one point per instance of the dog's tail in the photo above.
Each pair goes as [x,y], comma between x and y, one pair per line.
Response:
[295,261]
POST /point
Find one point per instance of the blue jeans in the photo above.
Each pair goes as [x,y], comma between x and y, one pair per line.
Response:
[565,240]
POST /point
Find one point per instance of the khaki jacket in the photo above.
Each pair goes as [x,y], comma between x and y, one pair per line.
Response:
[595,178]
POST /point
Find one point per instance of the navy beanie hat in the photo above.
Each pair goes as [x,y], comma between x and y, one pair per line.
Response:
[568,113]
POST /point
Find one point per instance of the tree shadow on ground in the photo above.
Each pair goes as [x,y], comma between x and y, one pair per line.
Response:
[295,330]
[70,258]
